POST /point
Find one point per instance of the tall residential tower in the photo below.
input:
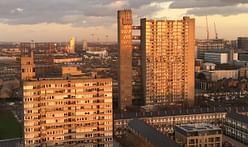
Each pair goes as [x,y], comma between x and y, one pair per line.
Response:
[168,61]
[125,23]
[72,45]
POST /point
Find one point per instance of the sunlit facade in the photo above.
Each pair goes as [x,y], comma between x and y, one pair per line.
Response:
[125,58]
[68,112]
[72,45]
[198,134]
[168,61]
[27,67]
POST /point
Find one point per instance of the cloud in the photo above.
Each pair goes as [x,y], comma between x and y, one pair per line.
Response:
[224,11]
[211,7]
[75,12]
[181,4]
[61,11]
[101,12]
[17,10]
[140,3]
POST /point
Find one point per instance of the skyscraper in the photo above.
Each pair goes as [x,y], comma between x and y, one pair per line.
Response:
[168,54]
[72,45]
[168,61]
[125,58]
[68,112]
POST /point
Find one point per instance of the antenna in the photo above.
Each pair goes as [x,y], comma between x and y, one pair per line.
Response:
[216,34]
[207,28]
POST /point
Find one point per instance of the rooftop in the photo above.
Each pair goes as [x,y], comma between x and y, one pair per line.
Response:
[198,127]
[69,77]
[239,117]
[156,138]
[131,115]
[208,63]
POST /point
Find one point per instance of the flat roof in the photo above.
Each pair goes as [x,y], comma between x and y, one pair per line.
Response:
[208,63]
[155,137]
[130,115]
[239,117]
[197,127]
[221,71]
[70,77]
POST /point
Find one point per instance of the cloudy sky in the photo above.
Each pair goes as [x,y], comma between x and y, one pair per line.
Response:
[58,20]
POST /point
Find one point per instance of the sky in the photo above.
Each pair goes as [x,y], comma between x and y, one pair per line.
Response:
[58,20]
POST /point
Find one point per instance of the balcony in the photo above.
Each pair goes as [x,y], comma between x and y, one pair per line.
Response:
[136,27]
[136,37]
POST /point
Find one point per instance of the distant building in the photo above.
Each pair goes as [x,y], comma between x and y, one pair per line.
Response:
[208,66]
[221,74]
[85,45]
[243,55]
[243,72]
[233,56]
[101,54]
[243,43]
[43,47]
[205,45]
[68,112]
[27,67]
[219,58]
[198,64]
[72,45]
[236,127]
[203,135]
[97,51]
[64,60]
[71,70]
[230,44]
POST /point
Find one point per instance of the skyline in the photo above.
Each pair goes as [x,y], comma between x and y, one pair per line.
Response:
[58,20]
[124,73]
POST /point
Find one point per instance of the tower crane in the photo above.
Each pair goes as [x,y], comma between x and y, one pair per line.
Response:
[215,30]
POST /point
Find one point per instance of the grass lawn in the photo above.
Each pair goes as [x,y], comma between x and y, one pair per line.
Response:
[9,126]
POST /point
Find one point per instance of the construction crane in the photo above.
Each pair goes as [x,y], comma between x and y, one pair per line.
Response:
[207,28]
[215,30]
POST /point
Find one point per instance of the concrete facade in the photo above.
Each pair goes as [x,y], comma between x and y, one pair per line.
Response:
[220,58]
[168,61]
[125,47]
[68,112]
[201,134]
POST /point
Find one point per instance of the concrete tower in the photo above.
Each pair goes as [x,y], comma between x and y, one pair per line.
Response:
[168,61]
[125,58]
